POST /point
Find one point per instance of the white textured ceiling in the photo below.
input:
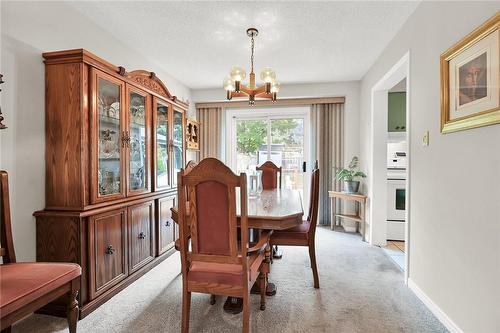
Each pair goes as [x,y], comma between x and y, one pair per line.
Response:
[305,42]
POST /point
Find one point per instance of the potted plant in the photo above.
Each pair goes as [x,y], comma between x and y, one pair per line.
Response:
[348,176]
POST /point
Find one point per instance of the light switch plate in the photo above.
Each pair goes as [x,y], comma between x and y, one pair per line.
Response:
[425,139]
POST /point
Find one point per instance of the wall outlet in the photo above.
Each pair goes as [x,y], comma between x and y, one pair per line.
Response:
[425,139]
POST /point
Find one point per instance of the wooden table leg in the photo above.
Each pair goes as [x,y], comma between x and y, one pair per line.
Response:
[234,305]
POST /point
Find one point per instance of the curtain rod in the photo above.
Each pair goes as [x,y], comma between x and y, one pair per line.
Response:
[279,102]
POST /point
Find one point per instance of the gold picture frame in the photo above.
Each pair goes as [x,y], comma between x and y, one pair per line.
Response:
[470,77]
[193,134]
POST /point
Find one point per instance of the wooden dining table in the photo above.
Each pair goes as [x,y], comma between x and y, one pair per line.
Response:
[277,209]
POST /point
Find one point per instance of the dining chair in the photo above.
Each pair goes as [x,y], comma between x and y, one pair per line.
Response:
[270,181]
[270,178]
[25,287]
[304,234]
[217,263]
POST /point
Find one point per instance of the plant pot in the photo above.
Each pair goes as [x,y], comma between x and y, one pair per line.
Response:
[351,186]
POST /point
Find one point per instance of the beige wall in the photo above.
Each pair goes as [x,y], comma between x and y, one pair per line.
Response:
[455,181]
[28,29]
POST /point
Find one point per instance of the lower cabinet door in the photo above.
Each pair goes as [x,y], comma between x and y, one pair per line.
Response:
[165,224]
[141,234]
[108,254]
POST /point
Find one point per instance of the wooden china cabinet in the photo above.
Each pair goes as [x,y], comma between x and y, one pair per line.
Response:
[114,143]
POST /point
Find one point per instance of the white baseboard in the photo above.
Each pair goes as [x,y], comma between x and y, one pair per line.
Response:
[436,310]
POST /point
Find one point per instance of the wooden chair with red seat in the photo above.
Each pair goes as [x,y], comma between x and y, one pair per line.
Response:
[270,178]
[26,287]
[304,234]
[217,263]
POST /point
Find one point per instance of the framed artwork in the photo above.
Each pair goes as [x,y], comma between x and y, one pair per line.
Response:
[193,134]
[470,75]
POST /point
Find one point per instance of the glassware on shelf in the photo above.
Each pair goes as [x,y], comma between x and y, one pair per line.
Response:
[178,144]
[162,134]
[109,183]
[109,165]
[137,177]
[108,144]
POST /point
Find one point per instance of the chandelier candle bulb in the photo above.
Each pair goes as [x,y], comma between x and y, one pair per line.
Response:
[228,84]
[268,75]
[275,87]
[238,74]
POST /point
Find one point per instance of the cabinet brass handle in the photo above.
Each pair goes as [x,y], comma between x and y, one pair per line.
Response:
[142,235]
[110,249]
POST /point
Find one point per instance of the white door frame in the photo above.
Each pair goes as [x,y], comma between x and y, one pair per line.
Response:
[270,113]
[377,168]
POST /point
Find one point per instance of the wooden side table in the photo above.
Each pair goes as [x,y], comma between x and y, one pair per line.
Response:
[359,217]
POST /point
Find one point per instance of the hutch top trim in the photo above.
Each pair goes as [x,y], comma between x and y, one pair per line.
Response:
[144,79]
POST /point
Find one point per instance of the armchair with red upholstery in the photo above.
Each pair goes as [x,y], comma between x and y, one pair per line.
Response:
[217,262]
[26,287]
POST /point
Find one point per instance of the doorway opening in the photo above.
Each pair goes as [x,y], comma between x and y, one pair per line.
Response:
[280,135]
[389,184]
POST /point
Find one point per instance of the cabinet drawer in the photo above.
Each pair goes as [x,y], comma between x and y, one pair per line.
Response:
[141,231]
[165,224]
[108,253]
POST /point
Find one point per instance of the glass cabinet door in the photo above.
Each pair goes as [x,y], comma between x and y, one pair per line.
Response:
[108,105]
[161,134]
[177,144]
[138,141]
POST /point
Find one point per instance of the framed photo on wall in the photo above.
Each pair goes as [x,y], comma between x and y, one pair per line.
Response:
[470,76]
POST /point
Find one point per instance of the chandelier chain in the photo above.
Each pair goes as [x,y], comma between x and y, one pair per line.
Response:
[251,57]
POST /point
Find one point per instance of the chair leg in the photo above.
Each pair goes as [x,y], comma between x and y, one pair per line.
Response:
[246,314]
[186,308]
[72,306]
[6,330]
[212,299]
[312,257]
[262,281]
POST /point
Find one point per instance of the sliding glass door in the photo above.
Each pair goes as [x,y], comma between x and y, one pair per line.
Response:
[281,136]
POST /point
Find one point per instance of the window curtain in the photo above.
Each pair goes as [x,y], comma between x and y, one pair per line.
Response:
[327,124]
[211,131]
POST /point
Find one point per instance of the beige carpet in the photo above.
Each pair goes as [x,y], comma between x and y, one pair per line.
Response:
[362,290]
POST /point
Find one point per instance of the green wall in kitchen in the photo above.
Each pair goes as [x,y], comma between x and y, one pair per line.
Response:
[397,112]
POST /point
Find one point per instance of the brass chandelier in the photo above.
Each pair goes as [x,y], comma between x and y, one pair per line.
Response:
[234,87]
